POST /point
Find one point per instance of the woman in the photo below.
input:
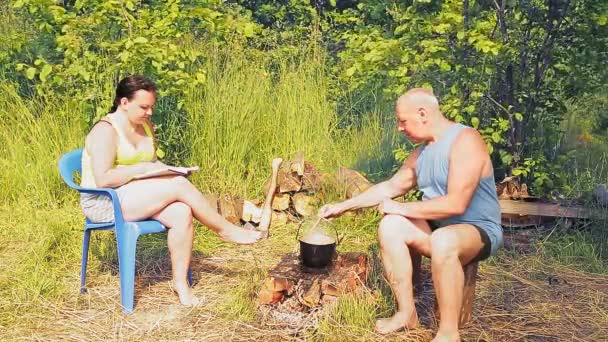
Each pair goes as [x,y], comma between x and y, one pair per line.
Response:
[118,149]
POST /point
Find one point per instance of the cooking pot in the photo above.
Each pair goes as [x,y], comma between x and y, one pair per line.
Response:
[318,251]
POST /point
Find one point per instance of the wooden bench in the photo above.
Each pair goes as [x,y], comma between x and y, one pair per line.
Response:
[468,297]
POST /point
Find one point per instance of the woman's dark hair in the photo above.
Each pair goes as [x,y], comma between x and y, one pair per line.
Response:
[129,85]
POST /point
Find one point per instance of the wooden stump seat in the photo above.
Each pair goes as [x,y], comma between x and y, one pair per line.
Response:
[468,296]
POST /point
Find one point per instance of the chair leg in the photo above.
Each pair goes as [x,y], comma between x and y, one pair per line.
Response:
[127,244]
[85,257]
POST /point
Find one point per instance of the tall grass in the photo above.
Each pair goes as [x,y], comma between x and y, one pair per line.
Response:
[249,112]
[34,135]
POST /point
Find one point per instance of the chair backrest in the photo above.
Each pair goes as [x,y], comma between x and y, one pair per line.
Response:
[68,164]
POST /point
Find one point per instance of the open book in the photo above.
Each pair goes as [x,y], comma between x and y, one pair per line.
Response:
[168,171]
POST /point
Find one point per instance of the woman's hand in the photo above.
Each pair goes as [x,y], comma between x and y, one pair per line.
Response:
[150,166]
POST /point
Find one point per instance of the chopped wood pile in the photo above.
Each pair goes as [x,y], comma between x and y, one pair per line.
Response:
[352,182]
[297,184]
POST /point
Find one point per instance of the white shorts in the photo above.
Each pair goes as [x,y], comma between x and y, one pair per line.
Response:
[98,208]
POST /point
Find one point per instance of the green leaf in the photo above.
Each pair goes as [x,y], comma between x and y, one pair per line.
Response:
[496,137]
[351,71]
[332,3]
[140,40]
[519,116]
[475,122]
[30,73]
[46,70]
[517,172]
[460,35]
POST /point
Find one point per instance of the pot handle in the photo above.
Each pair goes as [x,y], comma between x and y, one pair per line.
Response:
[338,238]
[298,232]
[313,226]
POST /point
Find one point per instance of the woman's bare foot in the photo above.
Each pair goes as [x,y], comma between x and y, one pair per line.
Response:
[398,321]
[240,235]
[447,337]
[185,294]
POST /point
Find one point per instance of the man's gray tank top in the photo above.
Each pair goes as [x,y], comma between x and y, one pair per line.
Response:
[432,169]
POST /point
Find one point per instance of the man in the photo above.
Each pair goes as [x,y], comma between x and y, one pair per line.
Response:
[457,222]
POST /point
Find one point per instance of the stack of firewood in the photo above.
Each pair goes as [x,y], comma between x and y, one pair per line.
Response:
[296,196]
[298,189]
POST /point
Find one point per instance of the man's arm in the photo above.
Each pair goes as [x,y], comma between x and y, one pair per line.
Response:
[399,184]
[468,157]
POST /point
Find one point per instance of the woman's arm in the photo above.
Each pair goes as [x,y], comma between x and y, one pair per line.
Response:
[101,146]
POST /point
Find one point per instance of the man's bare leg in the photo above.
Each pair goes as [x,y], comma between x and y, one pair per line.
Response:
[451,247]
[397,235]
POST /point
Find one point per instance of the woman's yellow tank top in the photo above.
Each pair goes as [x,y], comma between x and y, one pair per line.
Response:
[126,153]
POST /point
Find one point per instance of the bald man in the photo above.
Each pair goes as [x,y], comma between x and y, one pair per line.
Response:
[457,222]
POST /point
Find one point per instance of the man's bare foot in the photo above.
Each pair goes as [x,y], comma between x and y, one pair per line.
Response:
[398,321]
[447,337]
[240,236]
[185,294]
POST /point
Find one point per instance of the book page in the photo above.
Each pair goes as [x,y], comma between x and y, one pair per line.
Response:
[168,171]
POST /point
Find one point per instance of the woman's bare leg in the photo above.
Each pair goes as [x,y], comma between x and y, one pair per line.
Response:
[177,216]
[144,198]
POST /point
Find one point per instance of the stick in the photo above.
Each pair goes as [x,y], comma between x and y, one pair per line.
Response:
[267,210]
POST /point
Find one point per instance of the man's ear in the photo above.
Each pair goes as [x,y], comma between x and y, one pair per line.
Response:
[423,114]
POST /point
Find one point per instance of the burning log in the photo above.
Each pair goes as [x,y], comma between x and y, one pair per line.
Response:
[314,286]
[274,289]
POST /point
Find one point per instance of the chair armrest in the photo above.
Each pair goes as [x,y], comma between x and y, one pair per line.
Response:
[118,219]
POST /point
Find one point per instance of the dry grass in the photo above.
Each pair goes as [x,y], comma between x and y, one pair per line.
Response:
[519,297]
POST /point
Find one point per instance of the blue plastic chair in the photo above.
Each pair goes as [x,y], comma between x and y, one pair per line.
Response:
[127,233]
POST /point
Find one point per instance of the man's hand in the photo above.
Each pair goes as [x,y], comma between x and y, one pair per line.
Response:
[388,207]
[331,210]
